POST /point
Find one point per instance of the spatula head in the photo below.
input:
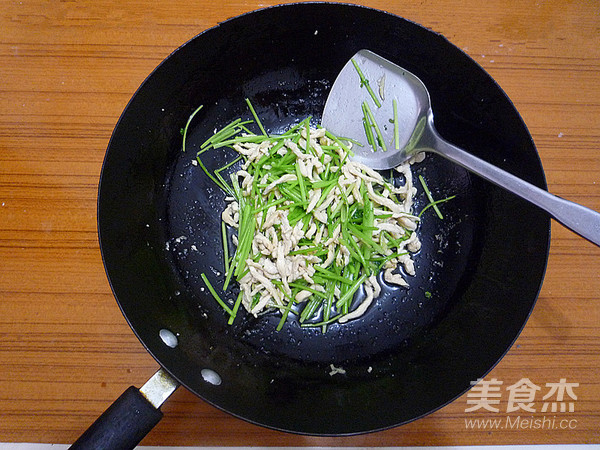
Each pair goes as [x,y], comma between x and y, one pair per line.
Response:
[344,113]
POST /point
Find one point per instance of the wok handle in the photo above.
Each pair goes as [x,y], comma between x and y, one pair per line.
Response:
[583,221]
[123,425]
[131,417]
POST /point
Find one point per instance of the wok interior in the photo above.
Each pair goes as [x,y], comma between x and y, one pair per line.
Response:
[416,349]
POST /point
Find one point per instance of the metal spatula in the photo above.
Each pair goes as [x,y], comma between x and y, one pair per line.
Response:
[392,120]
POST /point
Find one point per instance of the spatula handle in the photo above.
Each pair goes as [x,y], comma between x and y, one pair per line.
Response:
[577,218]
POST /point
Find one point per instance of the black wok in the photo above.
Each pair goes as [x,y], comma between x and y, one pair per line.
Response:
[416,349]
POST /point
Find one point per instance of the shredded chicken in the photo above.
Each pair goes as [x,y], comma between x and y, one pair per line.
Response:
[336,370]
[278,258]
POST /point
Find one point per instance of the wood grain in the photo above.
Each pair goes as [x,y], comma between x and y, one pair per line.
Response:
[68,68]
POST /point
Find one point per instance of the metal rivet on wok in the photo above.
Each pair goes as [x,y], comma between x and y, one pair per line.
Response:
[210,376]
[168,337]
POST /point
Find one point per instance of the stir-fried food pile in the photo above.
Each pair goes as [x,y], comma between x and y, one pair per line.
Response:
[311,232]
[323,227]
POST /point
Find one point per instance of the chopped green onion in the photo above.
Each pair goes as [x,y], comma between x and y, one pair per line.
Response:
[285,314]
[330,275]
[308,288]
[302,186]
[368,240]
[258,122]
[185,130]
[225,246]
[380,140]
[242,140]
[435,203]
[216,296]
[228,165]
[323,322]
[345,299]
[368,127]
[310,308]
[339,142]
[211,176]
[224,133]
[364,82]
[246,235]
[432,202]
[236,306]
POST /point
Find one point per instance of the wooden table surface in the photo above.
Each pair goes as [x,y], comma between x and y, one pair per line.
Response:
[68,68]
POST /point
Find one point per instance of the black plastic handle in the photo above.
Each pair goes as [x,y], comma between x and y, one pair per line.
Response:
[122,426]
